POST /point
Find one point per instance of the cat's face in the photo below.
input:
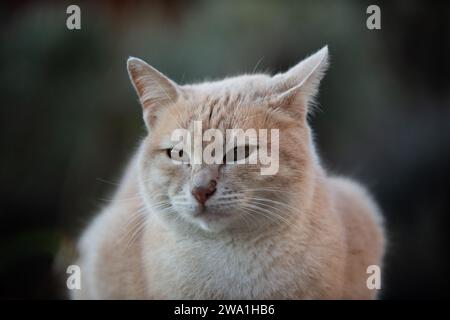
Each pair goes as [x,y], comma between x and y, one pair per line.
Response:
[226,195]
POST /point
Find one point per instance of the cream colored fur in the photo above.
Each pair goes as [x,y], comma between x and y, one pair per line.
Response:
[312,236]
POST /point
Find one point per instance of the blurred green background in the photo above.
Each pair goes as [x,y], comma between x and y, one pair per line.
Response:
[70,118]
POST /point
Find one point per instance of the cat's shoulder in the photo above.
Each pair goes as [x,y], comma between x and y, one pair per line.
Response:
[353,198]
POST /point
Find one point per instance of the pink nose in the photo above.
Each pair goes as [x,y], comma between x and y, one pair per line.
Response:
[203,193]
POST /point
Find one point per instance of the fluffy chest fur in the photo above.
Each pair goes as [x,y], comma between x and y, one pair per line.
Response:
[226,268]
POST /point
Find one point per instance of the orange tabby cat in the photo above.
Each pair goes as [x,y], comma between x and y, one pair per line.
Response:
[225,231]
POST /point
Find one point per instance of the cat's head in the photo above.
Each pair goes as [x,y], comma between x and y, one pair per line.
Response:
[221,196]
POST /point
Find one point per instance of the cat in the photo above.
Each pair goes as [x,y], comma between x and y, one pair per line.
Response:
[225,231]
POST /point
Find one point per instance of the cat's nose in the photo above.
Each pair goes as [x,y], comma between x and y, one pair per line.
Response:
[203,193]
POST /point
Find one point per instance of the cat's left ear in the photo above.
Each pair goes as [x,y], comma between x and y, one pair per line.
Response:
[296,88]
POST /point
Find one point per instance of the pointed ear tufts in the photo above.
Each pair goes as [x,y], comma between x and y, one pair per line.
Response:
[154,89]
[310,71]
[298,86]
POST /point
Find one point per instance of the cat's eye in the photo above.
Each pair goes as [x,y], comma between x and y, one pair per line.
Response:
[177,155]
[238,153]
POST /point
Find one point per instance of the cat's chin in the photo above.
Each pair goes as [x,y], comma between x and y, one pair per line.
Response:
[212,221]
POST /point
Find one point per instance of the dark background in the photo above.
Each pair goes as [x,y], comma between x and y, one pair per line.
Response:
[70,118]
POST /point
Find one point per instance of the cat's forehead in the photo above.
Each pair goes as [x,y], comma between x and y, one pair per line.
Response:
[225,103]
[225,90]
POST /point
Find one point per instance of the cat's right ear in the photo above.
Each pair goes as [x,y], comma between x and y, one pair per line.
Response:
[154,89]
